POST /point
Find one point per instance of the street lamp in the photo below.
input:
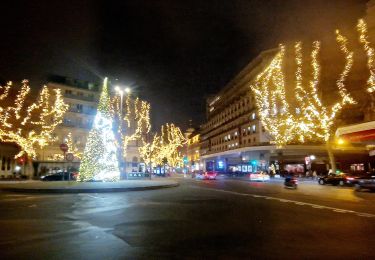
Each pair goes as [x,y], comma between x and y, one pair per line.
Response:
[121,91]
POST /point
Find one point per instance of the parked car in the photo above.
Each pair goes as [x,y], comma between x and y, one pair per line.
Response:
[59,176]
[209,175]
[259,176]
[340,179]
[366,182]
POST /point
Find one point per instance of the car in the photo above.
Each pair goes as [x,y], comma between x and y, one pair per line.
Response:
[59,176]
[340,179]
[208,175]
[259,176]
[366,182]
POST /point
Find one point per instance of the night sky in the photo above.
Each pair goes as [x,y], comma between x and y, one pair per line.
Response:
[172,53]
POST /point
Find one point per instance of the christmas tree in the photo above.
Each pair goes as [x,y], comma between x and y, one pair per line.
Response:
[99,160]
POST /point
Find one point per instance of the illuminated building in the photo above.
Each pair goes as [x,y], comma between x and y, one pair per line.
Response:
[193,151]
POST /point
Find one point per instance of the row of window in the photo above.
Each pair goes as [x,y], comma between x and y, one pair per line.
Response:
[247,141]
[231,112]
[79,95]
[5,163]
[79,108]
[78,122]
[234,136]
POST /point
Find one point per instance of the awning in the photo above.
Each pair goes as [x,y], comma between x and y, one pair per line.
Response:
[358,133]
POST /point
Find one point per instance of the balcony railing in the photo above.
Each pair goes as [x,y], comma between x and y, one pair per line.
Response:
[71,124]
[83,111]
[85,98]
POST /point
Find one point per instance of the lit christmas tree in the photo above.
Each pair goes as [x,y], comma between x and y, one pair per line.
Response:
[99,160]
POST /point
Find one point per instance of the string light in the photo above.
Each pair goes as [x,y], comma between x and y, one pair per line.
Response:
[362,29]
[30,126]
[99,160]
[311,120]
[72,148]
[137,120]
[164,146]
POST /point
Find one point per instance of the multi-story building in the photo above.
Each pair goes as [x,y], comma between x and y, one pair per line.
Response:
[233,138]
[193,151]
[82,98]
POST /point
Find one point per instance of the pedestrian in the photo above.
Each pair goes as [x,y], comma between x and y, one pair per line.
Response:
[314,175]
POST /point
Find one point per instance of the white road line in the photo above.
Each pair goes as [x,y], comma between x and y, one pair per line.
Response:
[317,206]
[91,196]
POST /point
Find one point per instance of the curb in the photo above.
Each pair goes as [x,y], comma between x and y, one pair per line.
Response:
[87,190]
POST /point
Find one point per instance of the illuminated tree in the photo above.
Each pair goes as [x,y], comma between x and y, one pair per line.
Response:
[135,123]
[149,150]
[99,160]
[362,29]
[30,126]
[164,147]
[310,120]
[72,148]
[370,52]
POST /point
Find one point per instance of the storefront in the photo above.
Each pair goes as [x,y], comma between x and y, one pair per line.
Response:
[363,133]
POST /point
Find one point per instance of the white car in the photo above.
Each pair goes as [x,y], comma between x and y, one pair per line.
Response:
[259,176]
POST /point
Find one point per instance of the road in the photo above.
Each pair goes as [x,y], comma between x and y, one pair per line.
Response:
[226,219]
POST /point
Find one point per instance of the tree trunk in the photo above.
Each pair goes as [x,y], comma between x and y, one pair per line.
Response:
[331,156]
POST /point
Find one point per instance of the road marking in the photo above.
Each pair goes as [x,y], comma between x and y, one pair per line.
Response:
[317,206]
[91,196]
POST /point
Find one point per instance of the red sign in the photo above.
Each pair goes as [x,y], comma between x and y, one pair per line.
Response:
[64,147]
[360,136]
[21,160]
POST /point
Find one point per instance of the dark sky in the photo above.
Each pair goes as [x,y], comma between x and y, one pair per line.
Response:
[173,53]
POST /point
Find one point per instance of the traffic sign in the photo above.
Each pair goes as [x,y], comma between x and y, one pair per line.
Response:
[64,147]
[69,157]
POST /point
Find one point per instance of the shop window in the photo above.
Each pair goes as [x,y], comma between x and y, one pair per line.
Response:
[3,164]
[8,164]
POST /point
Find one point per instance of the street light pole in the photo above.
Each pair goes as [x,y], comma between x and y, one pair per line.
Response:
[121,92]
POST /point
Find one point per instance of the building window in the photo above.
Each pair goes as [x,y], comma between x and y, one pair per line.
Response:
[68,91]
[8,164]
[253,116]
[79,107]
[254,128]
[3,164]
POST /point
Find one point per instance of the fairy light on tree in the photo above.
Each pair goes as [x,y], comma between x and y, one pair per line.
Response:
[72,148]
[269,90]
[363,39]
[99,160]
[313,121]
[30,126]
[136,120]
[164,147]
[149,151]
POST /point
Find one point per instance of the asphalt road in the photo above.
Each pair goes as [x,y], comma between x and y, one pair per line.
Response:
[225,219]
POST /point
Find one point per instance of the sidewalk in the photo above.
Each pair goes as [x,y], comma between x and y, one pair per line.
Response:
[85,187]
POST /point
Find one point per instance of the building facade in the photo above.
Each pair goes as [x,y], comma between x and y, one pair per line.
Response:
[193,151]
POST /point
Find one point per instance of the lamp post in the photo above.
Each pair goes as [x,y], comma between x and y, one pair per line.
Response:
[121,92]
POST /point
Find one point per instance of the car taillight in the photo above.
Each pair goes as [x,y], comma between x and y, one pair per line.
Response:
[350,178]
